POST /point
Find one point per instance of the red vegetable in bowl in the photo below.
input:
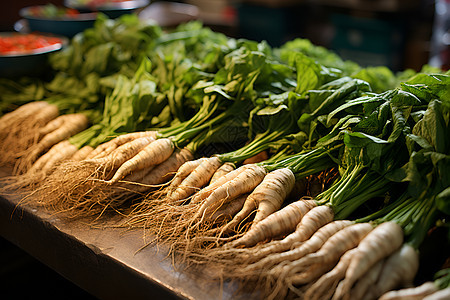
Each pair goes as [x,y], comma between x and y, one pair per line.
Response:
[27,43]
[52,11]
[99,2]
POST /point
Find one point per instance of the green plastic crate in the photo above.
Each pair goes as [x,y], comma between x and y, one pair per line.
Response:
[368,41]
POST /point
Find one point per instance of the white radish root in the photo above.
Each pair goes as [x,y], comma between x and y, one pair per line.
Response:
[20,133]
[20,114]
[313,220]
[227,210]
[314,265]
[162,172]
[73,124]
[245,182]
[224,169]
[443,294]
[198,178]
[204,193]
[41,168]
[309,246]
[398,271]
[151,155]
[144,214]
[277,224]
[106,148]
[414,293]
[141,183]
[325,286]
[361,286]
[66,152]
[75,183]
[339,243]
[378,244]
[181,174]
[82,153]
[266,198]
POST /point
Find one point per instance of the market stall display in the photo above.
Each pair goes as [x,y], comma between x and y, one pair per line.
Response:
[287,171]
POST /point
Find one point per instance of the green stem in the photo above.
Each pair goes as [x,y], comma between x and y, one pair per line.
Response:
[260,143]
[420,228]
[356,186]
[346,185]
[209,107]
[280,155]
[415,215]
[195,134]
[361,196]
[305,163]
[392,208]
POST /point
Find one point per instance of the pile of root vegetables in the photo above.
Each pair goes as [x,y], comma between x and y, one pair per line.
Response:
[286,170]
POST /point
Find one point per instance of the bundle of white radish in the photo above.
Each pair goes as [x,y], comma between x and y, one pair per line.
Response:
[325,286]
[223,197]
[106,163]
[385,239]
[192,223]
[65,126]
[313,265]
[297,251]
[21,129]
[230,186]
[51,148]
[295,224]
[263,272]
[378,244]
[77,185]
[388,237]
[399,270]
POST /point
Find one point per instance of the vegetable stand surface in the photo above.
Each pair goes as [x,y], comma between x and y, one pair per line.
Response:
[103,261]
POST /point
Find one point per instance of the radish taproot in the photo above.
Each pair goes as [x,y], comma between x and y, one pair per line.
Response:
[152,154]
[413,293]
[385,239]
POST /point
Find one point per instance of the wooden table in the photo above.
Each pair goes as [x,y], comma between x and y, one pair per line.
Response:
[103,261]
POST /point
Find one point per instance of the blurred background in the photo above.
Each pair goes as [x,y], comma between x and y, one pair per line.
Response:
[399,34]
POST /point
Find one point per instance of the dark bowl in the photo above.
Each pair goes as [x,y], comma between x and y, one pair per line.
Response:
[28,63]
[169,14]
[64,25]
[113,9]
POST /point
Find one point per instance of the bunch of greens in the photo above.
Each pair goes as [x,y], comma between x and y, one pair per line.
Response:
[423,127]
